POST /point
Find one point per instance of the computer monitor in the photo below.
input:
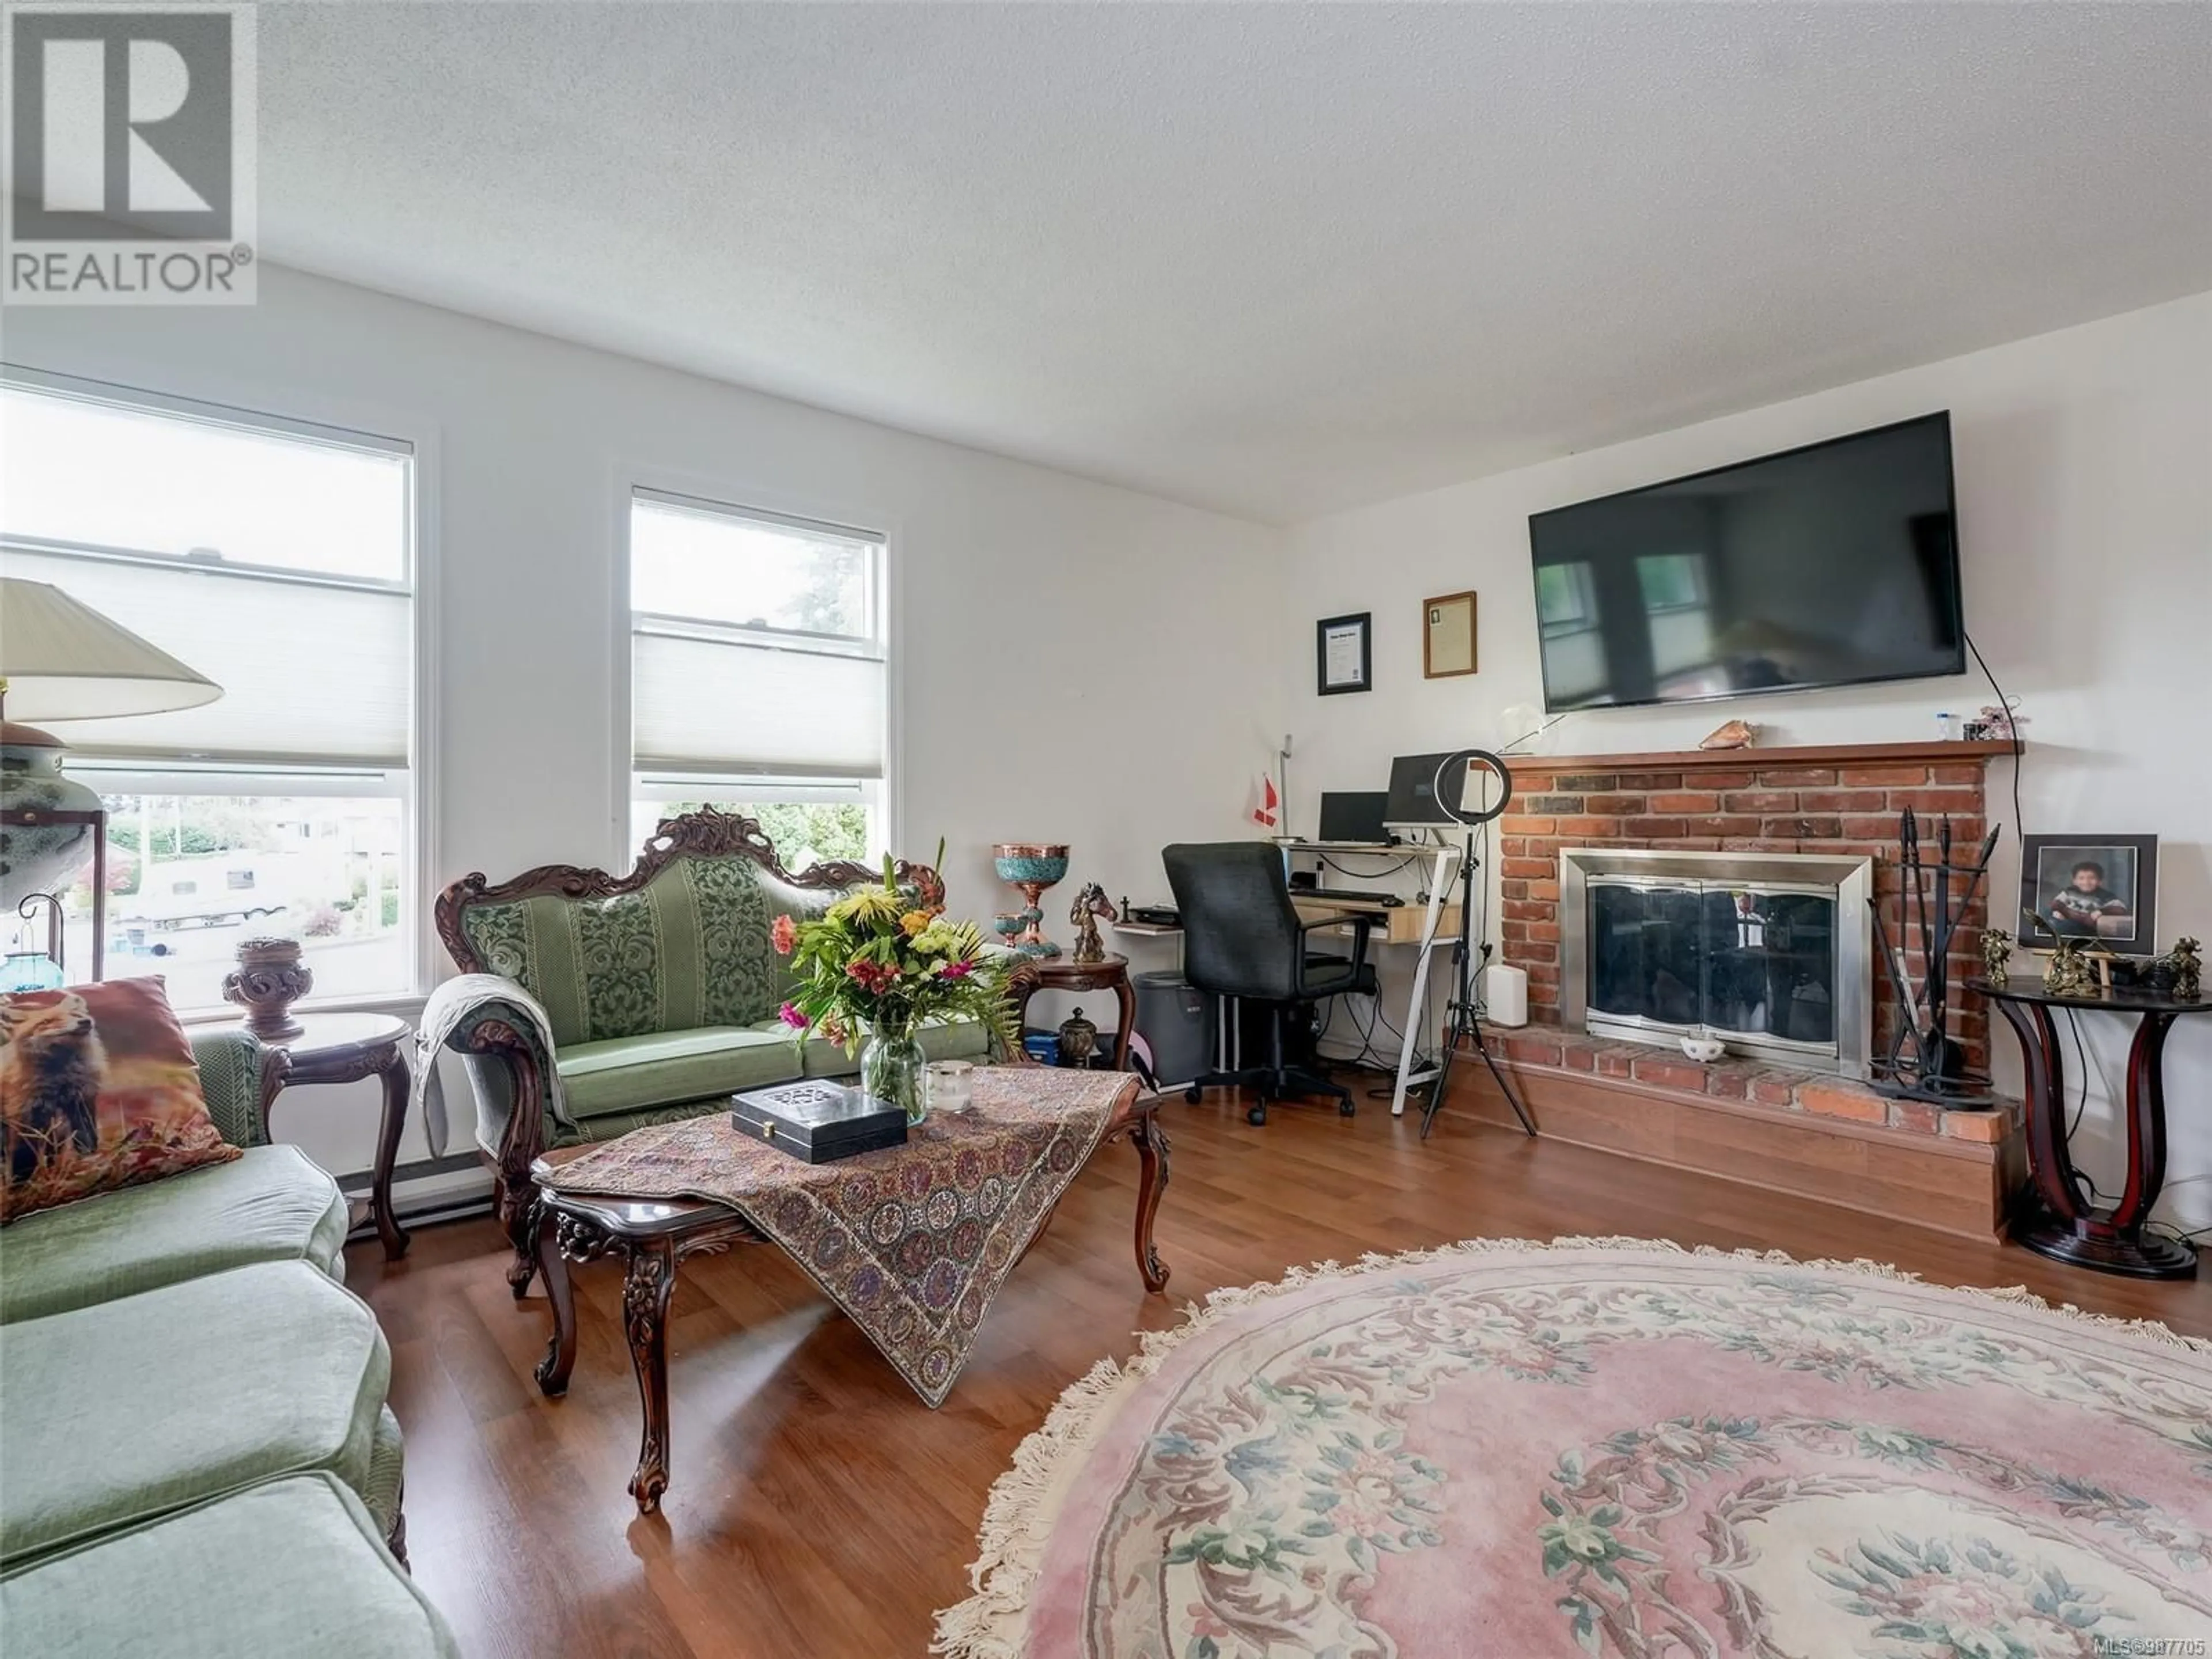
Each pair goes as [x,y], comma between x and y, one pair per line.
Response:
[1353,818]
[1413,804]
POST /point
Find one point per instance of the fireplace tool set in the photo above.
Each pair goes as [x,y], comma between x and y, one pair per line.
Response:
[1924,1062]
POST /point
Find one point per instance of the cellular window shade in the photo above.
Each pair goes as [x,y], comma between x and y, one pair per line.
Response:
[716,706]
[309,672]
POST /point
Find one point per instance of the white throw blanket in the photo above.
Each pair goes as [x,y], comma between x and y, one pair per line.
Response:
[451,1005]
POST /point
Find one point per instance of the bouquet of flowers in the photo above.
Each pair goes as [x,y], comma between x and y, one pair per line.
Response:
[877,965]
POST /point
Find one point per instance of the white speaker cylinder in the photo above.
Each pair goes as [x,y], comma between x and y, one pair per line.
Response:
[1505,993]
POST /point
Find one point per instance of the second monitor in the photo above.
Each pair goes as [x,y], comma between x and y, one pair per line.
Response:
[1413,784]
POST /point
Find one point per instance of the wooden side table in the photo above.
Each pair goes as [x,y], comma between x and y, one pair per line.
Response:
[2051,1217]
[1065,973]
[345,1048]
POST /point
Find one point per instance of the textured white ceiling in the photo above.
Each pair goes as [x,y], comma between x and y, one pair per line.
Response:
[1278,259]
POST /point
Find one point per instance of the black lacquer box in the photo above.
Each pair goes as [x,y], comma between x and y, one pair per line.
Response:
[818,1123]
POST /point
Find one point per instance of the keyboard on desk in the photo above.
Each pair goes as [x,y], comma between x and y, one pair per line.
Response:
[1348,895]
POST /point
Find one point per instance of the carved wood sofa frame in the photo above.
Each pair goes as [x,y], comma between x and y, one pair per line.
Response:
[704,834]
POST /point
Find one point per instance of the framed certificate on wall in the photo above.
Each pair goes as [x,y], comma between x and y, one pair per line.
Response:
[1345,653]
[1447,635]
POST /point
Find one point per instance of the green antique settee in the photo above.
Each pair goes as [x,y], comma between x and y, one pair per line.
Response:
[186,1388]
[659,990]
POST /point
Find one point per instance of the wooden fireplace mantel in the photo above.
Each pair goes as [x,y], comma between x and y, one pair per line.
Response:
[1811,755]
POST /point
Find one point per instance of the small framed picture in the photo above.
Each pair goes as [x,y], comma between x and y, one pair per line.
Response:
[2100,888]
[1447,635]
[1344,650]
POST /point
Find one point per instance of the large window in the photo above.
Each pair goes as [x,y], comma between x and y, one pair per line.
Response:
[277,559]
[758,674]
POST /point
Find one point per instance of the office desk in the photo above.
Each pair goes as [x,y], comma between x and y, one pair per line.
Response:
[1394,924]
[1422,927]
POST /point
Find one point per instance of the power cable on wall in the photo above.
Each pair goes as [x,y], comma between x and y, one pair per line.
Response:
[2019,749]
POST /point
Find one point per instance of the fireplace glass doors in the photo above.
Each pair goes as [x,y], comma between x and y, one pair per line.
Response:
[1770,961]
[1742,962]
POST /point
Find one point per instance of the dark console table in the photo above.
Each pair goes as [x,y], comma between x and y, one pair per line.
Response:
[2050,1217]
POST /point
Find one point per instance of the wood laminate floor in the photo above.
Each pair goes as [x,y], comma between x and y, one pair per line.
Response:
[818,1510]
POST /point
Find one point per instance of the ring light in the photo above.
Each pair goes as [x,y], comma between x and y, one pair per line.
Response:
[1457,814]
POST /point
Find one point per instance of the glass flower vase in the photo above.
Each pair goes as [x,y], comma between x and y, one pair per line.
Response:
[891,1070]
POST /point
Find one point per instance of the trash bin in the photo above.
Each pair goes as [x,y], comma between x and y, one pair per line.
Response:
[1176,1019]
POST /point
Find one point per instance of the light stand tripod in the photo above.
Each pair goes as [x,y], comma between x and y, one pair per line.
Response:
[1461,1023]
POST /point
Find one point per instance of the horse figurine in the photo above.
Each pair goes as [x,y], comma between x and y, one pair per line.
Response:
[1091,904]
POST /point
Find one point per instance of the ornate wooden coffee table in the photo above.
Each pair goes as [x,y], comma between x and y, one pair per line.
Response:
[653,1237]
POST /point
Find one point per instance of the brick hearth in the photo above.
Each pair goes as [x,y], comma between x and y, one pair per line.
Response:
[1838,800]
[1756,1082]
[1820,1137]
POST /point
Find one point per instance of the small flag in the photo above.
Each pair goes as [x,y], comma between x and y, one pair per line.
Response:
[1267,805]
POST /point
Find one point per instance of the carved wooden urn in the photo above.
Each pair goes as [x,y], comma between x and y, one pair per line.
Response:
[269,979]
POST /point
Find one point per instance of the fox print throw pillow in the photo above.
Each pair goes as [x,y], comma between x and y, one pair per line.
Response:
[98,1090]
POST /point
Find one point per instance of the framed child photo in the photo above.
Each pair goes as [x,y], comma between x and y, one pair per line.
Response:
[2099,888]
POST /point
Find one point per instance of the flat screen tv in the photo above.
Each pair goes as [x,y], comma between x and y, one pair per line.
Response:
[1835,564]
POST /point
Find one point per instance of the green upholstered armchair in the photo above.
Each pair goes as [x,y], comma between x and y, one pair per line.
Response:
[239,1075]
[658,990]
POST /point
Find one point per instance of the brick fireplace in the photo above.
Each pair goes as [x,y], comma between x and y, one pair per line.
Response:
[1842,801]
[1750,1117]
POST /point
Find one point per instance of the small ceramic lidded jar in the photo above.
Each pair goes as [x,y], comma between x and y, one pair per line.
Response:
[1078,1040]
[269,979]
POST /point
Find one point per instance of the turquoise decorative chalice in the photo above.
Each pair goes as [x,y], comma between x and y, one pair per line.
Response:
[1032,867]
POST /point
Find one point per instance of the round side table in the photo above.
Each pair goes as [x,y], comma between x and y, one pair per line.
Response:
[2050,1216]
[345,1048]
[1065,973]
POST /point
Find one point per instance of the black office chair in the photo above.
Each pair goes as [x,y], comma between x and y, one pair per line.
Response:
[1243,938]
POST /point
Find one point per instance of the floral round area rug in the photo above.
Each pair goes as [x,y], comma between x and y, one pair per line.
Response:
[1610,1448]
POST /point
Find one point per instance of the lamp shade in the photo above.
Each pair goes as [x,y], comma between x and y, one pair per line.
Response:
[63,661]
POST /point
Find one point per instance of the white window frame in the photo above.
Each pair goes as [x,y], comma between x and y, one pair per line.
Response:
[873,641]
[882,796]
[150,774]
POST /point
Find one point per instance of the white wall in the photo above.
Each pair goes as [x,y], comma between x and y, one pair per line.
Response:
[2084,465]
[1071,661]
